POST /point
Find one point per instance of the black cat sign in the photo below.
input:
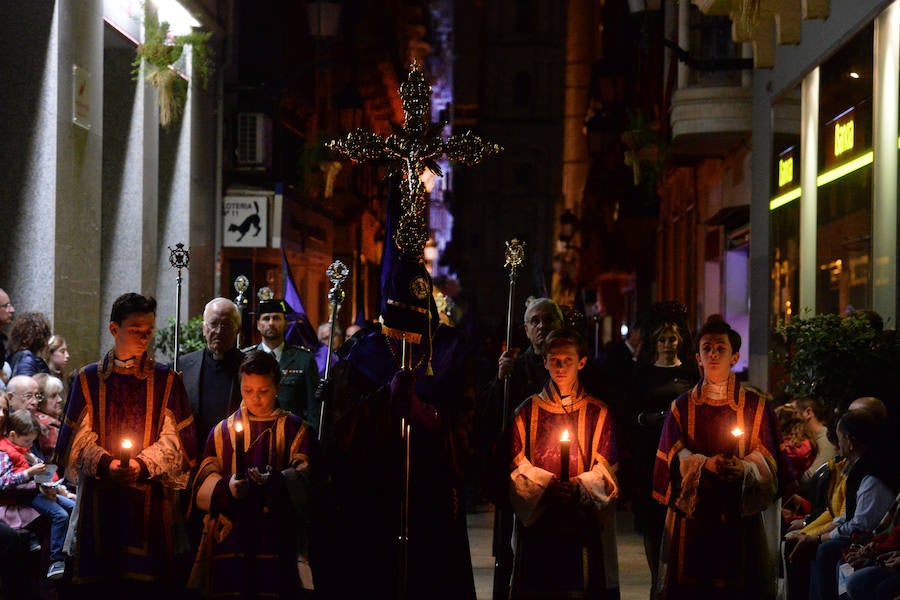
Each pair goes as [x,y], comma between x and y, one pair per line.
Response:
[244,221]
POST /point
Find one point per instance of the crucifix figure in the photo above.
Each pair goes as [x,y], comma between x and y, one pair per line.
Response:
[418,145]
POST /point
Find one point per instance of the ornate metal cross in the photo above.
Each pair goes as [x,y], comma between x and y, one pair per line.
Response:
[418,145]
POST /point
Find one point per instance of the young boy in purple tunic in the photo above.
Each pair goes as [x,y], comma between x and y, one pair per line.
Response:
[563,493]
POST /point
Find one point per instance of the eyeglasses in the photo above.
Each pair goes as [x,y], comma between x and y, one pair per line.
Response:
[546,320]
[29,395]
[219,325]
[6,306]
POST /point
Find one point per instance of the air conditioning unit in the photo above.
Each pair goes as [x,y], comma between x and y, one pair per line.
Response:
[254,141]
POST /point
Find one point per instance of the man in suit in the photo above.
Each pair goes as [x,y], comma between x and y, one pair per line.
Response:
[299,374]
[211,375]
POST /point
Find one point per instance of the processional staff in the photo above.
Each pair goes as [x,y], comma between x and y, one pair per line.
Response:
[179,257]
[337,273]
[515,256]
[403,538]
[241,285]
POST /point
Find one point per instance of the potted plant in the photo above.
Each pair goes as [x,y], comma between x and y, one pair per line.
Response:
[834,359]
[159,52]
[190,338]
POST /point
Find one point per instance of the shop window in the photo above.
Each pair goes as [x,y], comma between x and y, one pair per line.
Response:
[784,215]
[844,215]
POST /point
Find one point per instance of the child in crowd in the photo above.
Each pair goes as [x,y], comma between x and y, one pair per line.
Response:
[799,445]
[18,466]
[801,451]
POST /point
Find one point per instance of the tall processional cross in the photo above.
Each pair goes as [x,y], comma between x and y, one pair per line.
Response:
[418,145]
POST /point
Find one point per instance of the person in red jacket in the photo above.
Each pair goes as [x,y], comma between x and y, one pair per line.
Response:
[52,501]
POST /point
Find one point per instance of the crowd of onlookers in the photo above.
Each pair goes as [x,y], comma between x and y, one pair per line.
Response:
[671,398]
[33,364]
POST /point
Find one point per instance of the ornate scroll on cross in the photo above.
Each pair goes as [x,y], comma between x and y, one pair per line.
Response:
[418,145]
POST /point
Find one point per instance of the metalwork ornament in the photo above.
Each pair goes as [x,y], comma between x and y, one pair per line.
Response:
[241,283]
[515,255]
[179,257]
[337,272]
[418,145]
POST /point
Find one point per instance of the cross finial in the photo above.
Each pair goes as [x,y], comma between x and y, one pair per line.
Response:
[418,145]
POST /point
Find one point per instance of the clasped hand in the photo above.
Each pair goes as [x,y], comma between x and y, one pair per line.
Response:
[727,468]
[860,556]
[239,488]
[124,475]
[563,493]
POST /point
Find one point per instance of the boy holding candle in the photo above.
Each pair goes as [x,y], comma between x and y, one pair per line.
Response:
[126,523]
[565,544]
[253,486]
[720,464]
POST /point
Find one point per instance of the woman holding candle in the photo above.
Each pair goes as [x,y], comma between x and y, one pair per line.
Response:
[251,482]
[565,545]
[717,482]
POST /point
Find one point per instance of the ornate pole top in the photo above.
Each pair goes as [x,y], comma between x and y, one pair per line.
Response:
[337,273]
[418,145]
[179,257]
[515,256]
[241,283]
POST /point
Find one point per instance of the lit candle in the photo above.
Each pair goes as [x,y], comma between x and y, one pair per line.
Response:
[239,450]
[564,456]
[125,454]
[737,432]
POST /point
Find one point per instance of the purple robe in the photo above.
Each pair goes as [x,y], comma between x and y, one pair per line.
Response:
[251,547]
[564,552]
[126,531]
[715,544]
[365,458]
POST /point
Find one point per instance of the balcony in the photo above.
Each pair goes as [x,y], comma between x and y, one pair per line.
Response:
[710,120]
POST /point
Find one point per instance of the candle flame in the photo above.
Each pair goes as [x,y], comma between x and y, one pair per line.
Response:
[737,432]
[565,436]
[238,426]
[126,444]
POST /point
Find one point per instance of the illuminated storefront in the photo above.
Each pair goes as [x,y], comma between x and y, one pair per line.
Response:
[825,125]
[843,196]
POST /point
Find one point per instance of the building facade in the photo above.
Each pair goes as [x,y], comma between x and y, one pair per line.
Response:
[824,199]
[95,192]
[780,194]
